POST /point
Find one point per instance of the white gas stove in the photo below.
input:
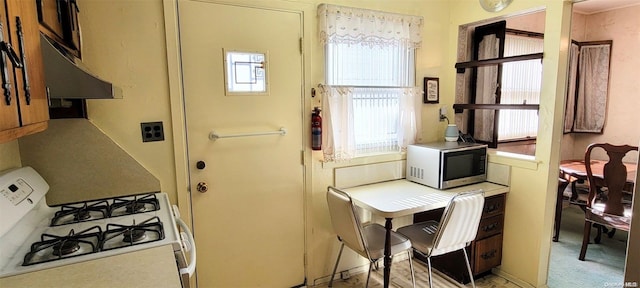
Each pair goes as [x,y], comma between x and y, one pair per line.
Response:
[34,236]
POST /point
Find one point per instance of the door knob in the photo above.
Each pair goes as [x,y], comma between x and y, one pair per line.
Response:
[200,165]
[202,187]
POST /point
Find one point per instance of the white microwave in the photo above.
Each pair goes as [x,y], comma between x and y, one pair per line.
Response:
[445,165]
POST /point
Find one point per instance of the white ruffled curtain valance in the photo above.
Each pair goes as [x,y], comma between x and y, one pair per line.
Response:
[339,24]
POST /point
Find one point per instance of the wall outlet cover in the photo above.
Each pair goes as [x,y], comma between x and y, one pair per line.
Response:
[152,131]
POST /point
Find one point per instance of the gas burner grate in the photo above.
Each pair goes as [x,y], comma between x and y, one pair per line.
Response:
[118,236]
[139,204]
[55,247]
[80,212]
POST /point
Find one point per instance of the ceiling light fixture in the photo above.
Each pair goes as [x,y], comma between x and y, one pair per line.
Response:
[494,5]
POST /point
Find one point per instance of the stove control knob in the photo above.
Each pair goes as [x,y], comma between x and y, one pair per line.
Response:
[200,165]
[202,187]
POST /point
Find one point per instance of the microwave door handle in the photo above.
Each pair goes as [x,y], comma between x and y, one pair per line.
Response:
[192,252]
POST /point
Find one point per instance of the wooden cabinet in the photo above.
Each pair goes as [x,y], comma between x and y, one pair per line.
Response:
[59,20]
[485,252]
[24,107]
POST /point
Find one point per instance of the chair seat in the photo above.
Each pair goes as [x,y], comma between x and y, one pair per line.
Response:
[596,215]
[421,236]
[375,234]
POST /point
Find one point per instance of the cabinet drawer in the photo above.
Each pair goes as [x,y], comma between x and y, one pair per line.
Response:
[493,205]
[487,254]
[490,226]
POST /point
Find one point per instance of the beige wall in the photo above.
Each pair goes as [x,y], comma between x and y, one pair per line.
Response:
[623,27]
[533,22]
[9,155]
[125,42]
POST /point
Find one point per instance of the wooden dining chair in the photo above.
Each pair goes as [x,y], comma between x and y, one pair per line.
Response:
[574,196]
[367,240]
[455,231]
[562,185]
[605,205]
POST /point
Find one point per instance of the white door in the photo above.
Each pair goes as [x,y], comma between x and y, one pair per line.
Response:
[249,225]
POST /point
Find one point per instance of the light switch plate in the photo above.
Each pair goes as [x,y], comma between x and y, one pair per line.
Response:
[443,114]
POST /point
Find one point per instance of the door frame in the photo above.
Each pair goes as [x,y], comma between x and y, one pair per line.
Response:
[178,117]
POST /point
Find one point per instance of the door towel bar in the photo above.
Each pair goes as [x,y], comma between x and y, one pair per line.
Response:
[214,136]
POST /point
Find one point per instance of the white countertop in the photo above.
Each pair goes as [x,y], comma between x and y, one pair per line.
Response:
[402,197]
[152,268]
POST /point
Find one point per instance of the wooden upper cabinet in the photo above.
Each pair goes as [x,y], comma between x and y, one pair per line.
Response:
[59,20]
[25,108]
[50,16]
[9,117]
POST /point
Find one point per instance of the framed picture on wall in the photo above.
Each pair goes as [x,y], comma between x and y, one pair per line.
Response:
[431,90]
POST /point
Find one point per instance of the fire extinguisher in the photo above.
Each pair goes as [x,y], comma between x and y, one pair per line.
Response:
[316,129]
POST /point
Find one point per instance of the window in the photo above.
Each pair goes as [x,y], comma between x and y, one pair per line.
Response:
[587,92]
[521,83]
[369,100]
[503,86]
[245,73]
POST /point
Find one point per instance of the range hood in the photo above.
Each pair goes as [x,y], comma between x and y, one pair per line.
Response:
[67,79]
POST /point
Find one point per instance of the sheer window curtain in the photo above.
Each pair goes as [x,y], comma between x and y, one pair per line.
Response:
[338,139]
[570,106]
[370,104]
[593,84]
[486,89]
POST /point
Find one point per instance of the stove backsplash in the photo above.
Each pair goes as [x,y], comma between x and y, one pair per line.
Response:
[80,162]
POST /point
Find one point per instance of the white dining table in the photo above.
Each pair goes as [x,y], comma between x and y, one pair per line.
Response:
[397,198]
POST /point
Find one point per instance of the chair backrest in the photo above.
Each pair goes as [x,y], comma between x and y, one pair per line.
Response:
[345,221]
[459,223]
[613,178]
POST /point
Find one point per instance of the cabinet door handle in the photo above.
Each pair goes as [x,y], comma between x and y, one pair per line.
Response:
[74,5]
[13,56]
[492,207]
[6,81]
[490,227]
[25,73]
[40,9]
[59,10]
[489,254]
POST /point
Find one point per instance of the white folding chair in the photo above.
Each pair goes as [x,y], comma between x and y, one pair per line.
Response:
[367,240]
[455,231]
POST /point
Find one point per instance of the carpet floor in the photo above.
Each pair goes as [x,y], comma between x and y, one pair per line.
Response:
[604,262]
